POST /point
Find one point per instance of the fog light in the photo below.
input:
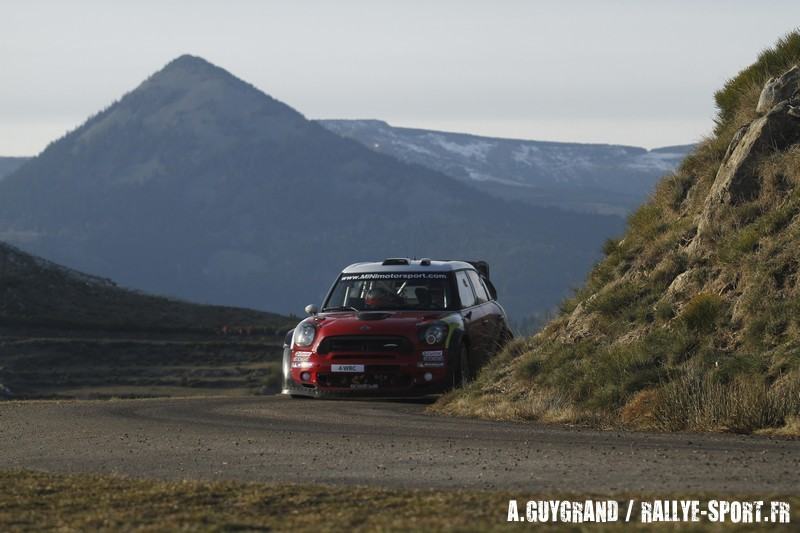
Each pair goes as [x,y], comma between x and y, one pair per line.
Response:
[428,376]
[305,376]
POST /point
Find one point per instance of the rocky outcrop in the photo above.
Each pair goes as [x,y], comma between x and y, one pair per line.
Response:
[779,89]
[737,179]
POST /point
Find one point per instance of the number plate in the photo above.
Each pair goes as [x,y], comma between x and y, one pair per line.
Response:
[347,368]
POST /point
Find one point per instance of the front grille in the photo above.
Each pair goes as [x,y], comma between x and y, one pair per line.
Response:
[378,379]
[364,357]
[364,344]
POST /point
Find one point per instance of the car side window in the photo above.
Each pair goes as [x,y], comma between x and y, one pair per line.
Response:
[480,290]
[465,293]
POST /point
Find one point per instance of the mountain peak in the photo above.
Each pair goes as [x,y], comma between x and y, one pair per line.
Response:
[189,60]
[188,69]
[188,63]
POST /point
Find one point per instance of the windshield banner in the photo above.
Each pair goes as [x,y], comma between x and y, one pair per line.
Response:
[367,276]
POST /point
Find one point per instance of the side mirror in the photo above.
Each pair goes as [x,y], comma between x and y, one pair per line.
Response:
[312,309]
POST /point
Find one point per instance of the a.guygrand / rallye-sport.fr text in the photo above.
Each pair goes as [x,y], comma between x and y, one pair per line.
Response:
[396,328]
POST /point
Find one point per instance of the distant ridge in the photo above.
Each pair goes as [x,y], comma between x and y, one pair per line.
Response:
[594,178]
[198,185]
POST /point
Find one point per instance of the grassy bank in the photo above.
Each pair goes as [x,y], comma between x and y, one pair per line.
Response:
[692,320]
[41,502]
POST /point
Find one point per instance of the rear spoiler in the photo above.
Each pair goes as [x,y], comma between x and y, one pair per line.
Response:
[480,266]
[483,269]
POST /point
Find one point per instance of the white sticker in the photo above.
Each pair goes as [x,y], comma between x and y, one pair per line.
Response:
[434,355]
[347,368]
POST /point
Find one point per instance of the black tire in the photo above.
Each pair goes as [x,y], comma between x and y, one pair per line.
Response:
[461,370]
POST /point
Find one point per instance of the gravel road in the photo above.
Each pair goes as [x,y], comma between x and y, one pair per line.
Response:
[392,444]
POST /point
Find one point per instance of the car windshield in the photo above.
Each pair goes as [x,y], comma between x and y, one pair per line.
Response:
[384,291]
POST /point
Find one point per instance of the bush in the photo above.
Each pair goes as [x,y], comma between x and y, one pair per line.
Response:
[702,312]
[614,299]
[647,222]
[701,402]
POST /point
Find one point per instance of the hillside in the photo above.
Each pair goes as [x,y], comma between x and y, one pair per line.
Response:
[593,178]
[200,186]
[10,164]
[65,334]
[38,293]
[691,321]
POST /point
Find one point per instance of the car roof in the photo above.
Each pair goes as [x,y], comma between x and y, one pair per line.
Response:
[414,265]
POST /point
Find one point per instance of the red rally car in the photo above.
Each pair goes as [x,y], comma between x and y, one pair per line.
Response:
[396,328]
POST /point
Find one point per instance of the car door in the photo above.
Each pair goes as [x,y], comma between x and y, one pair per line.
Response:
[485,311]
[471,315]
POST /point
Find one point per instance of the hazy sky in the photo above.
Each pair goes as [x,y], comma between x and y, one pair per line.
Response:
[633,72]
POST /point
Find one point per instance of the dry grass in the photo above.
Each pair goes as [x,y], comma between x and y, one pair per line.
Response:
[673,330]
[700,402]
[50,502]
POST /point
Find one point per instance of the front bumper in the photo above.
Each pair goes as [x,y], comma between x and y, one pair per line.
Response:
[401,379]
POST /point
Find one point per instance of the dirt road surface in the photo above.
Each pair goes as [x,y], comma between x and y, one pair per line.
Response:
[384,443]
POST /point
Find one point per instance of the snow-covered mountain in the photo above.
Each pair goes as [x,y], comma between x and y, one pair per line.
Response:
[600,178]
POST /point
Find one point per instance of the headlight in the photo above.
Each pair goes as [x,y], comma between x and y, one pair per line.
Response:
[304,334]
[435,334]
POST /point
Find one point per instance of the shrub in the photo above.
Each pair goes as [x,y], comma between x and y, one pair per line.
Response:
[674,188]
[664,310]
[702,312]
[698,401]
[614,299]
[647,222]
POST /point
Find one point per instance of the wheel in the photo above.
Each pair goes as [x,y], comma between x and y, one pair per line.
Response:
[461,372]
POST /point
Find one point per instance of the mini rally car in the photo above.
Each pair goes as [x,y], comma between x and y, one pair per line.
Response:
[396,328]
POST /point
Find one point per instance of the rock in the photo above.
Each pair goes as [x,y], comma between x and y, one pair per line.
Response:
[680,286]
[735,141]
[736,179]
[778,89]
[579,325]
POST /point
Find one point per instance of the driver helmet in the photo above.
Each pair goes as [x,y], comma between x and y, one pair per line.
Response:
[377,297]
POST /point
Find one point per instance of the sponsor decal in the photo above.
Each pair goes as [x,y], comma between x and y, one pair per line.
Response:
[302,360]
[369,276]
[433,355]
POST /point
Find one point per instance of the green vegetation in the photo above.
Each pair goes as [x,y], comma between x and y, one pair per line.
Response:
[677,329]
[41,502]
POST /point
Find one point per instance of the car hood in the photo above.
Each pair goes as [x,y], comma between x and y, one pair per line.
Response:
[375,322]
